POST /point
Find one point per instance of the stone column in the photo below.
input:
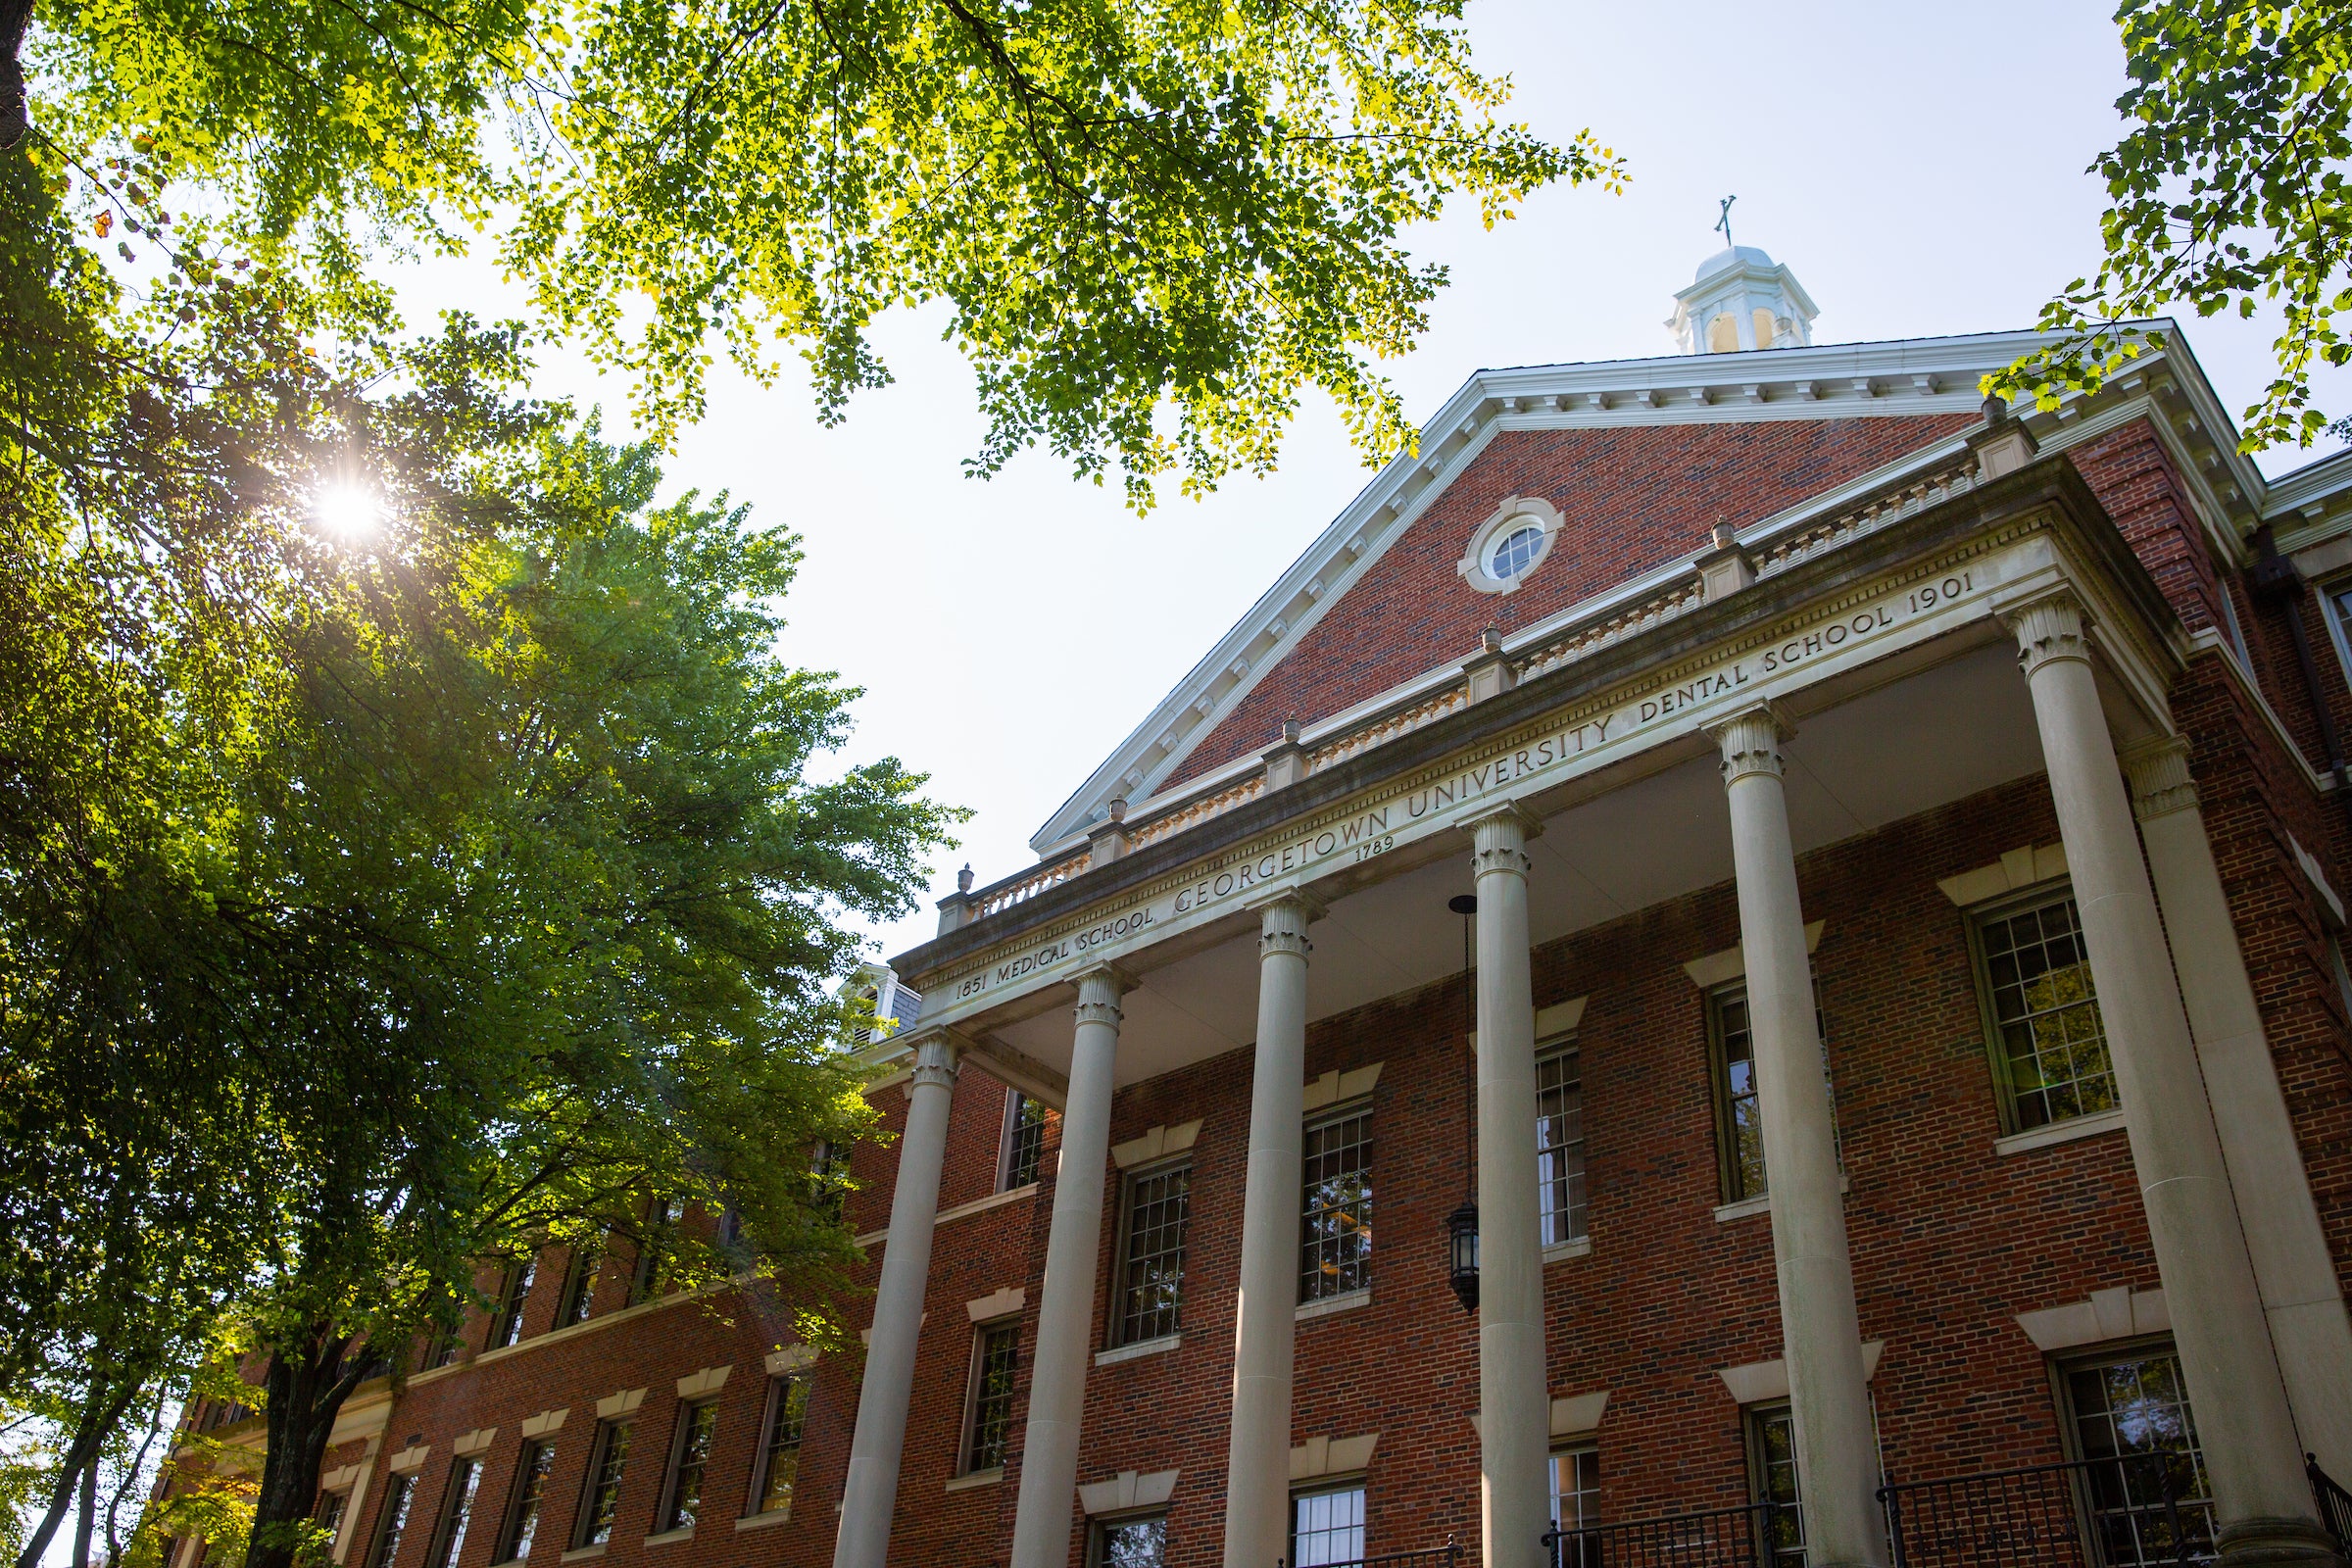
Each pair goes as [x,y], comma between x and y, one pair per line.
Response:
[871,1491]
[1514,1396]
[1257,1475]
[2243,1425]
[2293,1268]
[1065,1314]
[1821,1333]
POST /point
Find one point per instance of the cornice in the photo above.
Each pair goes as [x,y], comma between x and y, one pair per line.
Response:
[2049,487]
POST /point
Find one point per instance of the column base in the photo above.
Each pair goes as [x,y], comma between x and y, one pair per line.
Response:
[2249,1543]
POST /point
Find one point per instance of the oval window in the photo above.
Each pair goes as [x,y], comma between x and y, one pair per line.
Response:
[1518,549]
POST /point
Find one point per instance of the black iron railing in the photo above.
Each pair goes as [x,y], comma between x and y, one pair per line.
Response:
[2144,1510]
[1747,1537]
[1449,1555]
[2334,1502]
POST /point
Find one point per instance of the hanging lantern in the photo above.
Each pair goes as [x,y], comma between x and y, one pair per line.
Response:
[1462,1231]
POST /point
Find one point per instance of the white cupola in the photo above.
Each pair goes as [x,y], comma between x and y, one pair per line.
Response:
[1742,298]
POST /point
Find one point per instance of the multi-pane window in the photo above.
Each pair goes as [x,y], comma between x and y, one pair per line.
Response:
[988,1423]
[1131,1543]
[329,1513]
[579,1285]
[456,1512]
[391,1520]
[1327,1527]
[1576,1504]
[606,1462]
[689,1458]
[2131,1422]
[1738,1113]
[780,1449]
[513,1293]
[653,1250]
[1772,1477]
[1151,1274]
[2049,1047]
[828,1181]
[521,1527]
[1335,1228]
[1025,1140]
[1561,1146]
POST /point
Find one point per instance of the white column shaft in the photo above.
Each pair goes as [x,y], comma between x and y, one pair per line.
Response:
[871,1491]
[2218,1326]
[1041,1532]
[2309,1328]
[1513,1387]
[1820,1335]
[1257,1481]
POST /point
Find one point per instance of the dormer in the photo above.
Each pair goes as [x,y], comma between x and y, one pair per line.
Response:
[1742,298]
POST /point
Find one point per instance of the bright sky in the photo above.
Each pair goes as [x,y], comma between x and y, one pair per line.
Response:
[1920,168]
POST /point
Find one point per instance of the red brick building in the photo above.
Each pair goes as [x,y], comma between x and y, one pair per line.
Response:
[1907,1041]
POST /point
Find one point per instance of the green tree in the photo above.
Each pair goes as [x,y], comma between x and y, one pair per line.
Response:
[1127,207]
[2228,194]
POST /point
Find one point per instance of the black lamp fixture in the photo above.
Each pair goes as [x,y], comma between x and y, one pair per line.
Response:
[1461,1226]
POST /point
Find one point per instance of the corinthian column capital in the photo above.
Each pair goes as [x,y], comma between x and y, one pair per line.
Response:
[2160,778]
[935,1061]
[1750,742]
[1283,921]
[1098,992]
[2049,627]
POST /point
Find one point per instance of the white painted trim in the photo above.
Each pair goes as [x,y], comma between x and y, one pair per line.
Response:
[1759,1381]
[1579,1415]
[1330,1304]
[2028,865]
[612,1406]
[2117,1313]
[761,1521]
[1005,1301]
[1722,968]
[1337,1088]
[977,1478]
[1560,1251]
[701,1385]
[1137,1350]
[2060,1131]
[1320,1456]
[949,1217]
[670,1537]
[1158,1143]
[1128,1490]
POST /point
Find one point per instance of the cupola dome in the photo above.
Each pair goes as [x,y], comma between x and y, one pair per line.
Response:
[1741,299]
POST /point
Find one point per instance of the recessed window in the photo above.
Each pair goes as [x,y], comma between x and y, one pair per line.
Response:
[1150,1277]
[780,1452]
[689,1458]
[608,1462]
[456,1512]
[1130,1542]
[1025,1140]
[391,1519]
[1739,1112]
[2049,1047]
[1576,1504]
[330,1514]
[1772,1477]
[532,1470]
[2131,1420]
[513,1294]
[1560,1145]
[988,1419]
[579,1285]
[1327,1527]
[1515,551]
[1335,1231]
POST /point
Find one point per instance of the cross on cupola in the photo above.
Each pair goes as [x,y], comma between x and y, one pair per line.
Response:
[1741,299]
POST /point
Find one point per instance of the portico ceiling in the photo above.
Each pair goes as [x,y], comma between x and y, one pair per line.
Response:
[1943,722]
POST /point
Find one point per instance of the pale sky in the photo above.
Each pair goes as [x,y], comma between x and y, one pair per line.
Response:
[1920,168]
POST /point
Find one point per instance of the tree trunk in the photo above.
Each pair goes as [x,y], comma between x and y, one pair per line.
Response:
[308,1384]
[99,1413]
[88,1520]
[16,19]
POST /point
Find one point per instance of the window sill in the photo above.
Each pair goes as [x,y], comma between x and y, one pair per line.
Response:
[1747,1207]
[761,1521]
[1140,1349]
[978,1478]
[583,1553]
[664,1538]
[2060,1131]
[1582,1246]
[1334,1303]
